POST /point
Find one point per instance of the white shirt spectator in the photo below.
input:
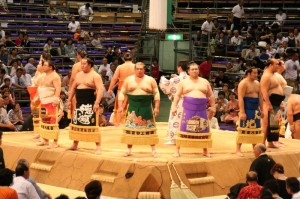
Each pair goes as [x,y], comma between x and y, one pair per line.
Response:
[110,74]
[291,68]
[238,11]
[85,12]
[2,33]
[30,69]
[27,79]
[3,78]
[281,17]
[106,67]
[280,41]
[213,123]
[109,99]
[236,40]
[4,117]
[272,52]
[73,26]
[18,80]
[251,54]
[207,26]
[96,43]
[296,195]
[24,188]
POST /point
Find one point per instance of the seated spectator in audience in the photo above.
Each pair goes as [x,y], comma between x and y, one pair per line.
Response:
[252,52]
[215,92]
[29,67]
[5,124]
[251,37]
[102,118]
[81,33]
[221,79]
[205,67]
[8,42]
[3,54]
[213,121]
[221,41]
[93,189]
[61,50]
[64,121]
[13,55]
[257,63]
[271,189]
[226,91]
[118,54]
[263,54]
[21,184]
[281,50]
[220,106]
[292,42]
[5,92]
[3,76]
[296,34]
[108,55]
[229,24]
[51,11]
[73,25]
[253,190]
[70,48]
[266,35]
[27,78]
[280,16]
[85,11]
[25,42]
[111,72]
[116,61]
[278,173]
[62,196]
[292,69]
[63,11]
[2,36]
[108,101]
[11,68]
[17,80]
[236,41]
[262,164]
[293,187]
[280,39]
[81,45]
[19,39]
[66,81]
[6,180]
[7,84]
[15,116]
[233,65]
[104,65]
[48,45]
[271,51]
[103,75]
[97,41]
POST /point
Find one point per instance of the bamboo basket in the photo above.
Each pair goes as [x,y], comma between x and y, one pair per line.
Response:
[249,135]
[85,133]
[49,131]
[194,140]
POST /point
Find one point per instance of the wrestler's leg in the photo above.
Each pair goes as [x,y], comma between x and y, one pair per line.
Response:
[206,153]
[297,130]
[54,144]
[265,127]
[43,142]
[238,150]
[177,152]
[74,146]
[128,153]
[154,153]
[98,148]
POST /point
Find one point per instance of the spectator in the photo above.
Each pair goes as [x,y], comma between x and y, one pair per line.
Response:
[81,45]
[81,33]
[62,196]
[236,41]
[221,41]
[232,109]
[73,25]
[103,75]
[292,42]
[213,121]
[155,69]
[15,116]
[206,29]
[25,42]
[108,101]
[6,179]
[278,173]
[293,187]
[3,54]
[281,50]
[205,68]
[270,50]
[221,106]
[226,91]
[96,42]
[237,13]
[111,72]
[61,50]
[229,24]
[21,184]
[104,66]
[48,45]
[253,190]
[13,55]
[252,52]
[280,39]
[233,66]
[263,54]
[29,67]
[85,11]
[27,78]
[102,119]
[66,81]
[108,55]
[297,35]
[270,190]
[93,189]
[51,10]
[2,36]
[63,12]
[221,80]
[3,75]
[292,69]
[17,80]
[70,48]
[257,63]
[64,121]
[263,164]
[266,36]
[280,17]
[19,39]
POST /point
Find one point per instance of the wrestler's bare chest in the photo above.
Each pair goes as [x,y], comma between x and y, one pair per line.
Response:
[189,86]
[47,81]
[142,85]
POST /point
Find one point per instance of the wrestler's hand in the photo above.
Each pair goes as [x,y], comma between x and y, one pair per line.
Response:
[243,116]
[96,107]
[108,92]
[156,112]
[292,128]
[269,107]
[120,109]
[69,104]
[262,115]
[174,111]
[55,103]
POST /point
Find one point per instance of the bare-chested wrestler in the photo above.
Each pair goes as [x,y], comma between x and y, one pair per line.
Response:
[48,93]
[122,72]
[250,103]
[272,93]
[293,114]
[196,92]
[140,89]
[85,84]
[76,69]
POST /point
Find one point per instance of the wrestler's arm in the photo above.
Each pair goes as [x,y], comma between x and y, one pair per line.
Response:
[71,92]
[176,98]
[264,86]
[210,97]
[122,93]
[241,95]
[73,75]
[99,88]
[57,86]
[290,114]
[113,81]
[260,103]
[156,97]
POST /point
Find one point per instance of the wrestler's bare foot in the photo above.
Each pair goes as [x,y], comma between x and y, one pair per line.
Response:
[206,153]
[72,148]
[126,154]
[176,155]
[42,143]
[239,153]
[98,152]
[154,154]
[53,146]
